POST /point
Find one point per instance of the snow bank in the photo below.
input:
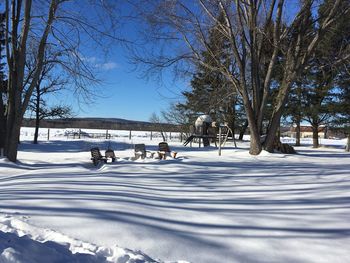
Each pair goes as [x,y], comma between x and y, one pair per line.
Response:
[21,242]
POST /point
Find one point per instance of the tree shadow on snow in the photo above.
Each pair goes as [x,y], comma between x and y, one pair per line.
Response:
[71,146]
[288,198]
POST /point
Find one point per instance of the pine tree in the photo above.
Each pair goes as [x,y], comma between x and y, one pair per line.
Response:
[345,110]
[342,120]
[315,95]
[321,78]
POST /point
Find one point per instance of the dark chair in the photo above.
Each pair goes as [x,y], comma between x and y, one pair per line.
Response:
[110,154]
[164,150]
[163,147]
[96,156]
[140,151]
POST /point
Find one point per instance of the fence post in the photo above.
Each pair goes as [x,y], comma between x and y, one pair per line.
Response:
[181,137]
[170,136]
[48,134]
[129,135]
[151,135]
[106,134]
[79,134]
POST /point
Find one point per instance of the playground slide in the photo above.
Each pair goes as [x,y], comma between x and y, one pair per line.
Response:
[189,139]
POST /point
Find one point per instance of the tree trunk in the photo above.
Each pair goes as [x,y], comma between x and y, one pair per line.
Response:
[163,135]
[347,148]
[12,141]
[2,137]
[13,126]
[36,132]
[298,115]
[2,124]
[242,130]
[231,119]
[13,109]
[37,115]
[297,135]
[277,113]
[315,143]
[272,131]
[255,143]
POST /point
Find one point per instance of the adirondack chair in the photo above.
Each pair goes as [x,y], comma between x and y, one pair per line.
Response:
[164,150]
[140,151]
[110,154]
[96,156]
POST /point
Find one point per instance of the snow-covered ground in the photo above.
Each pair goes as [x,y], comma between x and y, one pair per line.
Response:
[55,206]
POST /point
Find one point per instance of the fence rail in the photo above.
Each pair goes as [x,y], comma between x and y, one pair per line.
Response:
[101,134]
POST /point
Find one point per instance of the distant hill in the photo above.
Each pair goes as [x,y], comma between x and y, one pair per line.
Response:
[98,119]
[101,123]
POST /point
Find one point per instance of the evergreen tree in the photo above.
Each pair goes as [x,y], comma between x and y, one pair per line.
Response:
[321,95]
[342,120]
[315,95]
[345,115]
[294,109]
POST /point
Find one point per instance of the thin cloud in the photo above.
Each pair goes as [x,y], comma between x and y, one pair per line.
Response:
[107,65]
[96,63]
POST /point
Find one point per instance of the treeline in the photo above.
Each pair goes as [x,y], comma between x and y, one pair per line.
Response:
[319,95]
[256,64]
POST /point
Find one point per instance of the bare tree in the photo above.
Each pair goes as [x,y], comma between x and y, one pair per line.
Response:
[157,121]
[260,40]
[178,116]
[50,82]
[58,23]
[16,45]
[38,105]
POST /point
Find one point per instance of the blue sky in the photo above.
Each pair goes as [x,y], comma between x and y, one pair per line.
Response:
[124,94]
[127,95]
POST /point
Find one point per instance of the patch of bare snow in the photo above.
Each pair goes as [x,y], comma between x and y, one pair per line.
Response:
[21,242]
